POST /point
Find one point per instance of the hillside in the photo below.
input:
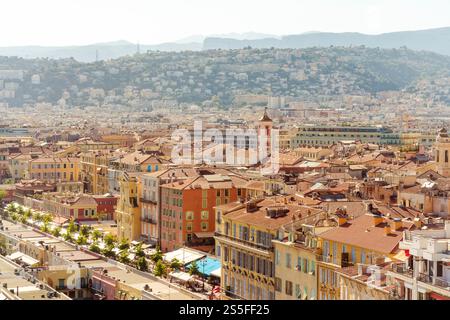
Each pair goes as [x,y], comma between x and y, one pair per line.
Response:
[219,75]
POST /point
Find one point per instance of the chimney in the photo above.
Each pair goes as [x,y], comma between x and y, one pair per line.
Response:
[397,224]
[418,222]
[387,229]
[377,219]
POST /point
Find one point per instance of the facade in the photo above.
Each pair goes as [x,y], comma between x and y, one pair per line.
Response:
[54,169]
[426,273]
[321,136]
[128,212]
[442,151]
[94,171]
[187,214]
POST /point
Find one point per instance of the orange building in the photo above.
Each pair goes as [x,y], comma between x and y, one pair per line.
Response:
[187,214]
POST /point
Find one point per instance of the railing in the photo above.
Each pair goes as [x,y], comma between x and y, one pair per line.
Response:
[245,242]
[401,269]
[338,262]
[143,200]
[423,277]
[149,220]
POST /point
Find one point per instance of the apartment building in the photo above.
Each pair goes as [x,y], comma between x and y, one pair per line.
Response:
[52,169]
[426,273]
[128,212]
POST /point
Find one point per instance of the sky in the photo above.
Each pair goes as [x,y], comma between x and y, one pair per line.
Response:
[79,22]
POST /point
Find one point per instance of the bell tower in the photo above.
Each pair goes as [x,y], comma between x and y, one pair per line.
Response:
[442,153]
[265,125]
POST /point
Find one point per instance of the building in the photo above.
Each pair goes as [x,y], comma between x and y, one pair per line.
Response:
[52,169]
[246,247]
[442,150]
[366,239]
[426,273]
[94,171]
[128,212]
[323,135]
[187,214]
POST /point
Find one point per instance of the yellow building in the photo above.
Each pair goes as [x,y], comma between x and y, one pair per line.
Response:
[52,169]
[244,244]
[295,266]
[128,212]
[94,171]
[367,239]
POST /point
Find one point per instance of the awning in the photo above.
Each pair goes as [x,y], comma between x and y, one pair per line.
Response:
[216,273]
[15,255]
[202,235]
[29,260]
[183,276]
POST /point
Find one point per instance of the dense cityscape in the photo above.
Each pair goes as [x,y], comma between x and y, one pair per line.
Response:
[227,174]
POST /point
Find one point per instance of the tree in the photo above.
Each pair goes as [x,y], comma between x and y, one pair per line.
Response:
[28,214]
[94,247]
[44,227]
[20,210]
[2,195]
[123,256]
[124,244]
[85,231]
[47,218]
[160,269]
[108,251]
[56,231]
[193,269]
[11,208]
[157,256]
[68,236]
[139,251]
[72,227]
[96,235]
[37,216]
[142,264]
[81,240]
[109,239]
[175,264]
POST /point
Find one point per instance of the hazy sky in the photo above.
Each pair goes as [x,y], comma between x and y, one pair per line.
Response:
[64,22]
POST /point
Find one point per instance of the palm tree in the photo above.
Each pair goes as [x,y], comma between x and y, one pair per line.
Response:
[44,227]
[193,269]
[139,251]
[81,240]
[124,244]
[56,231]
[72,227]
[123,256]
[20,210]
[28,214]
[94,247]
[157,256]
[11,208]
[109,239]
[142,264]
[108,251]
[96,234]
[47,218]
[68,236]
[160,269]
[37,216]
[175,264]
[85,231]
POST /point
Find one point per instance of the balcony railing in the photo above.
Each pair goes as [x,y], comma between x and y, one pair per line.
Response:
[338,262]
[401,269]
[149,220]
[143,200]
[245,242]
[423,277]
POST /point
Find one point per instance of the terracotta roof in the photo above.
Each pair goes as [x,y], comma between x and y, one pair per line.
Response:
[361,232]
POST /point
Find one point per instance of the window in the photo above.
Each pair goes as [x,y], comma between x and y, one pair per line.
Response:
[189,237]
[278,285]
[205,215]
[288,260]
[313,267]
[288,288]
[204,203]
[189,226]
[204,226]
[446,155]
[189,215]
[277,257]
[353,255]
[298,292]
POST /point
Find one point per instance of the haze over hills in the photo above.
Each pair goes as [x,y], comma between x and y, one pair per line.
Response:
[435,40]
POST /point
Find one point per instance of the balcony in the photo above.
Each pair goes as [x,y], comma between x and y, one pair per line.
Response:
[402,269]
[439,282]
[149,220]
[143,200]
[246,243]
[338,262]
